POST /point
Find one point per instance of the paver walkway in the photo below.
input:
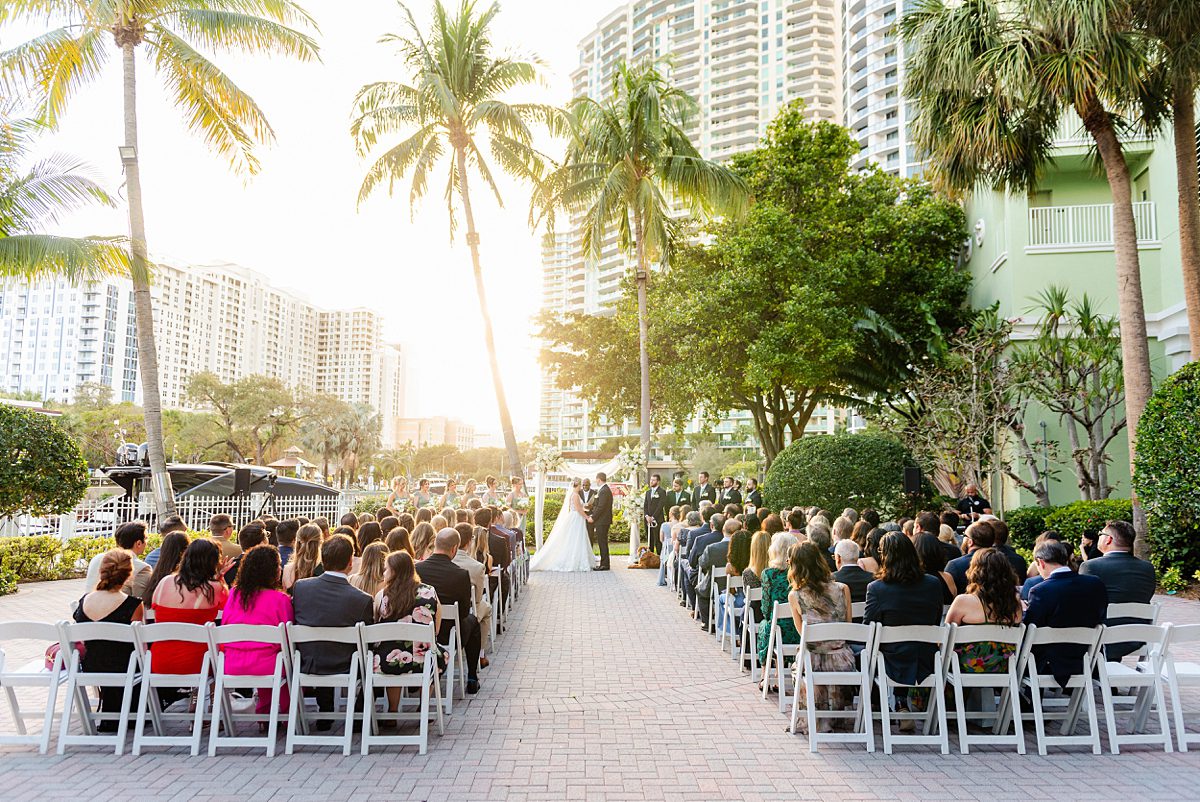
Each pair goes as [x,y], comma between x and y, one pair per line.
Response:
[604,689]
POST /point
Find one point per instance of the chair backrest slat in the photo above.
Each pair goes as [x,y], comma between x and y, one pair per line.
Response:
[1135,633]
[248,633]
[97,630]
[1080,636]
[914,633]
[396,630]
[28,630]
[298,633]
[974,633]
[172,631]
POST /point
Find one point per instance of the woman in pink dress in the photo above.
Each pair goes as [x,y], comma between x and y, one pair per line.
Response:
[256,598]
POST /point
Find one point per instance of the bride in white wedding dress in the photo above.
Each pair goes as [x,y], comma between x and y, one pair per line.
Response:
[568,548]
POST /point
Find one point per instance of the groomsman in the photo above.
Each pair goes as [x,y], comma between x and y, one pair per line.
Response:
[703,491]
[753,494]
[653,505]
[729,493]
[678,496]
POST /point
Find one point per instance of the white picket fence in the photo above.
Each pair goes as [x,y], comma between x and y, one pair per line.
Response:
[101,517]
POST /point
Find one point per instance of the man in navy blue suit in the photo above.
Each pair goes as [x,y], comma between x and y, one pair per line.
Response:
[1064,599]
[695,549]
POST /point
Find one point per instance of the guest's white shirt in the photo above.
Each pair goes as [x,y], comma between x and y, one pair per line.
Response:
[477,572]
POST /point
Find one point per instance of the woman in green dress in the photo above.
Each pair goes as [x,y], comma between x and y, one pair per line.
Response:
[423,498]
[775,589]
[451,498]
[991,598]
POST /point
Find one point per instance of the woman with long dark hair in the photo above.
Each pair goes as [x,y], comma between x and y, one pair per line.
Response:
[257,598]
[933,562]
[991,598]
[869,562]
[194,595]
[405,599]
[170,554]
[816,599]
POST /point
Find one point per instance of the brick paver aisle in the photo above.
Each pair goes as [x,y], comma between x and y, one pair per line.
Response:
[604,689]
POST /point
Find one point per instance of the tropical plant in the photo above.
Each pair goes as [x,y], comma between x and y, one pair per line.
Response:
[629,162]
[838,471]
[42,470]
[57,64]
[456,99]
[990,82]
[34,195]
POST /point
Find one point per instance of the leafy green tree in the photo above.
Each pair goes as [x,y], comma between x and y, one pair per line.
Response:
[42,471]
[990,82]
[56,65]
[33,195]
[454,103]
[432,459]
[357,440]
[321,435]
[254,414]
[629,161]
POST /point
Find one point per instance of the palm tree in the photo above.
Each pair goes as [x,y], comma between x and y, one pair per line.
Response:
[455,98]
[57,64]
[37,194]
[1175,25]
[991,81]
[628,163]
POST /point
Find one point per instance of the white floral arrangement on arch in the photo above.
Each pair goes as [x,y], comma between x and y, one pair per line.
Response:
[546,459]
[631,460]
[634,505]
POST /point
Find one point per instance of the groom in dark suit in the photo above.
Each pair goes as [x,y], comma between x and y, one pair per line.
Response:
[602,519]
[653,505]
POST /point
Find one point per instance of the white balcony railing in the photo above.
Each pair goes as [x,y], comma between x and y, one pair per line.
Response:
[1086,228]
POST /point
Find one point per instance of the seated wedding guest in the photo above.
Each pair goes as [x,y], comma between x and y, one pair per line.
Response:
[859,535]
[249,536]
[908,526]
[169,524]
[871,516]
[738,562]
[1019,566]
[462,516]
[760,546]
[949,542]
[1033,577]
[384,512]
[797,521]
[903,594]
[422,540]
[306,560]
[368,577]
[220,528]
[442,519]
[989,599]
[850,513]
[772,524]
[131,537]
[365,518]
[816,598]
[464,558]
[424,515]
[715,555]
[170,554]
[951,519]
[350,520]
[1125,577]
[407,521]
[1064,599]
[285,534]
[108,603]
[387,524]
[479,549]
[369,533]
[329,600]
[453,586]
[666,533]
[271,525]
[869,561]
[257,598]
[819,534]
[848,572]
[693,571]
[933,562]
[347,531]
[775,590]
[194,595]
[926,523]
[979,535]
[398,540]
[405,599]
[322,523]
[842,528]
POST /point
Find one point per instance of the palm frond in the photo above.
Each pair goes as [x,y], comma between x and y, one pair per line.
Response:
[392,165]
[220,29]
[54,186]
[52,67]
[34,256]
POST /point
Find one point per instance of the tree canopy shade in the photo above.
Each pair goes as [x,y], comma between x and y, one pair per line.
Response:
[774,311]
[42,471]
[628,162]
[56,65]
[454,107]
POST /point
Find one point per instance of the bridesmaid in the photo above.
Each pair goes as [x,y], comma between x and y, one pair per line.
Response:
[491,496]
[422,498]
[518,501]
[451,498]
[469,492]
[398,499]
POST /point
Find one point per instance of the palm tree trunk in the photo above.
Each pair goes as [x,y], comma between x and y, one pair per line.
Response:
[510,439]
[160,480]
[643,335]
[1188,184]
[1135,350]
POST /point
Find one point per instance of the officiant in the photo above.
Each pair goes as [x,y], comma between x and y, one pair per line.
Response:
[654,505]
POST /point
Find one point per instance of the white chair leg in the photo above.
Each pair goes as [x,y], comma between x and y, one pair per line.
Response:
[15,706]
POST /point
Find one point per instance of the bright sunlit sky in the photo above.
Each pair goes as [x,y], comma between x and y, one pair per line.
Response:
[297,220]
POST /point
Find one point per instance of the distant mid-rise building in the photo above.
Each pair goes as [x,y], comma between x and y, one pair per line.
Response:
[435,431]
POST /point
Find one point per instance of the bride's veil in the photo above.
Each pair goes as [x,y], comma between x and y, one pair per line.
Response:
[560,522]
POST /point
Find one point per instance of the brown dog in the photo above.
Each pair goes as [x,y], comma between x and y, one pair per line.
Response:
[646,559]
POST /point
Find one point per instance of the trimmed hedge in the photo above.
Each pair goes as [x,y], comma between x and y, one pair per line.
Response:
[838,471]
[1166,471]
[39,558]
[1025,524]
[1086,518]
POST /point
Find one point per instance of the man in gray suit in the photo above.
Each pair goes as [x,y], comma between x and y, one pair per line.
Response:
[716,554]
[1127,578]
[329,600]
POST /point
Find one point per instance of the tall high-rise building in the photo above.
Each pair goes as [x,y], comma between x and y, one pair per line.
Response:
[743,61]
[876,112]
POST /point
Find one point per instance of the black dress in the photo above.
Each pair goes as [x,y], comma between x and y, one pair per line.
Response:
[106,656]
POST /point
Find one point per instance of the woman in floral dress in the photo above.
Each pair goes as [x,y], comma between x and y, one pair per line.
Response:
[817,599]
[405,599]
[990,599]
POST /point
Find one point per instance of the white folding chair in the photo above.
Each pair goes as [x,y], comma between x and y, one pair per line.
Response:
[749,650]
[1147,677]
[426,681]
[858,610]
[223,711]
[860,678]
[1080,686]
[733,615]
[1007,682]
[777,654]
[497,599]
[1180,674]
[348,681]
[148,701]
[718,572]
[78,682]
[458,656]
[33,674]
[935,711]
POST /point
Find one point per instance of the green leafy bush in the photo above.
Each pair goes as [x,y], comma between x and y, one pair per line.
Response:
[78,551]
[33,558]
[1172,580]
[1025,524]
[1086,518]
[1166,471]
[838,471]
[553,506]
[8,581]
[42,470]
[369,504]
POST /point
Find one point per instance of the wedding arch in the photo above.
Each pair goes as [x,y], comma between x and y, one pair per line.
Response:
[628,463]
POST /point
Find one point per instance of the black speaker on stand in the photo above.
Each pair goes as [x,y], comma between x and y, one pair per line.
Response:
[241,481]
[912,481]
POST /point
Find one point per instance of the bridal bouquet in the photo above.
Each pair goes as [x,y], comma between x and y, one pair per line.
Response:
[521,504]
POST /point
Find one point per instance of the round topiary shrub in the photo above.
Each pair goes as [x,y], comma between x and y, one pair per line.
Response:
[42,470]
[1166,471]
[839,471]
